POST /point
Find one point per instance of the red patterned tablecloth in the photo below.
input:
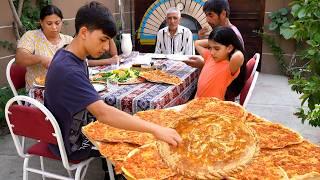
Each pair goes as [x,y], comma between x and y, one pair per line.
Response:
[144,96]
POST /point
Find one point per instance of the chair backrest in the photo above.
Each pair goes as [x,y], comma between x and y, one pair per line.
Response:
[247,90]
[15,76]
[34,121]
[252,65]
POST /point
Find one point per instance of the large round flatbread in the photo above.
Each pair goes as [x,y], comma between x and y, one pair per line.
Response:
[211,147]
[272,135]
[202,106]
[163,117]
[98,131]
[298,161]
[146,163]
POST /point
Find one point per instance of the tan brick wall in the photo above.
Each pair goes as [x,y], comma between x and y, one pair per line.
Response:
[269,64]
[69,9]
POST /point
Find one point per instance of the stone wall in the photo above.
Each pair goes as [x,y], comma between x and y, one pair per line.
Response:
[269,63]
[69,9]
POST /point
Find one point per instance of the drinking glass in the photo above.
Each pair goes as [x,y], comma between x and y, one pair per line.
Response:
[112,85]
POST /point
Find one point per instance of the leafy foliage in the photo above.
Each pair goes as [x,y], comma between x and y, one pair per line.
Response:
[8,45]
[5,95]
[31,13]
[29,18]
[303,25]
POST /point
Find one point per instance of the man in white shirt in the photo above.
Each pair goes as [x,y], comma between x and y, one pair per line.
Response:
[174,39]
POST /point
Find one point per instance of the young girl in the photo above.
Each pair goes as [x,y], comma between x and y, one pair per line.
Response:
[224,66]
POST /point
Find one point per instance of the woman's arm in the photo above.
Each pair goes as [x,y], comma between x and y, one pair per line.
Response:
[25,58]
[236,61]
[102,62]
[113,60]
[112,48]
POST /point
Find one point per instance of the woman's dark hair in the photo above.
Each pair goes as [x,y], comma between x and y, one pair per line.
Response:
[226,36]
[217,6]
[50,10]
[96,16]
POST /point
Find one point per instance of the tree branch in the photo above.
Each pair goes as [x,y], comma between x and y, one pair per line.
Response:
[16,18]
[20,6]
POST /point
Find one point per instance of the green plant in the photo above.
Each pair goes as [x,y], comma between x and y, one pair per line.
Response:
[304,27]
[8,45]
[29,18]
[5,95]
[277,52]
[31,12]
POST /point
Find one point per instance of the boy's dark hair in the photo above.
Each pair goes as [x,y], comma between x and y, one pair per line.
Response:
[95,16]
[226,36]
[217,6]
[50,10]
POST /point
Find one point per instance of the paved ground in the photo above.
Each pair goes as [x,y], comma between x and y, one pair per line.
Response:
[271,99]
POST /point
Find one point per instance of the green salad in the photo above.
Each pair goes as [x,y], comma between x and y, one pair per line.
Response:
[119,75]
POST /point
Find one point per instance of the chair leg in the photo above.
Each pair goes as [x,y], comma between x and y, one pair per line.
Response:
[25,166]
[70,173]
[84,171]
[77,176]
[110,170]
[42,167]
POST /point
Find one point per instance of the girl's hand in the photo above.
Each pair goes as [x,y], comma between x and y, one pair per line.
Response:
[167,135]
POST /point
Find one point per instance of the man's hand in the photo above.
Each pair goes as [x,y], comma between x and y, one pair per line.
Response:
[203,33]
[195,62]
[167,135]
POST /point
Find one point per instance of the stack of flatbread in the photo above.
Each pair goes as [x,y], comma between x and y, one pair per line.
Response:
[221,140]
[159,76]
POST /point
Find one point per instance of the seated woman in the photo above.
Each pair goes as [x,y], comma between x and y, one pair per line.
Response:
[224,66]
[37,47]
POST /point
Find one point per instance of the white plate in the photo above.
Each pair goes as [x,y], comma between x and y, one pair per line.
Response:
[93,71]
[98,87]
[176,57]
[38,85]
[158,56]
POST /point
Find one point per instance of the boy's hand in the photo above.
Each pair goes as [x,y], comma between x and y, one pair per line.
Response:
[167,135]
[195,62]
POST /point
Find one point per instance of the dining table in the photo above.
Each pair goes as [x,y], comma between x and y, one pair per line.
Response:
[132,98]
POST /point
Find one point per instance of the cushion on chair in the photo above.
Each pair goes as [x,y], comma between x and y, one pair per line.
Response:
[17,74]
[249,67]
[30,122]
[42,149]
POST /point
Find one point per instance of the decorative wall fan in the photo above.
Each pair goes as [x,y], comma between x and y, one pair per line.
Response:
[154,18]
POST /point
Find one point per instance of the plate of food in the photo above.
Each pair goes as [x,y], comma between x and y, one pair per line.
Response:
[122,76]
[39,81]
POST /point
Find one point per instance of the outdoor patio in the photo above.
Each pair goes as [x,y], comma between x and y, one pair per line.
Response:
[272,99]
